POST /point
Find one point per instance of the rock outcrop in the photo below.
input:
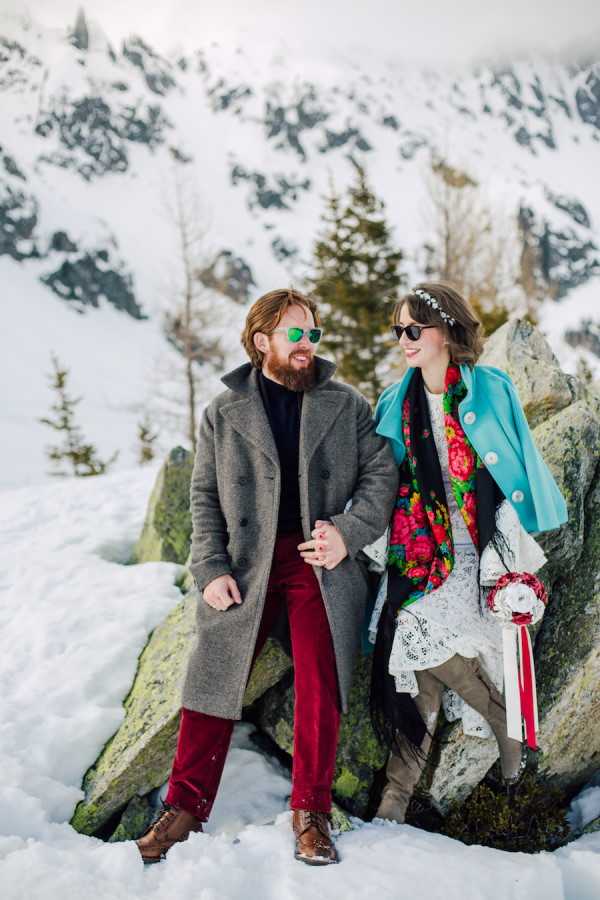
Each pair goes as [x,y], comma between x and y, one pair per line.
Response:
[166,535]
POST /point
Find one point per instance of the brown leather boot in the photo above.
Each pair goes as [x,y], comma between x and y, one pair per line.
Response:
[171,826]
[314,845]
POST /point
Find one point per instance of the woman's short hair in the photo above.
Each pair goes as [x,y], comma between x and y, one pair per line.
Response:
[465,337]
[265,315]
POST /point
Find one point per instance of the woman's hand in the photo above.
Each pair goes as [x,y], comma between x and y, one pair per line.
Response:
[327,549]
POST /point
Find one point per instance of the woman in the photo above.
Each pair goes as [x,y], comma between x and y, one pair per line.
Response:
[470,477]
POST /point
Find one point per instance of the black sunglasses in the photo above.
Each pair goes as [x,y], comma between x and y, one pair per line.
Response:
[413,332]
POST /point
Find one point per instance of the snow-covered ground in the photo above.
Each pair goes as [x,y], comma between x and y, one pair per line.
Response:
[73,620]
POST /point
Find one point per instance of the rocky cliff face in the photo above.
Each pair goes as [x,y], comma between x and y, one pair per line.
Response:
[78,112]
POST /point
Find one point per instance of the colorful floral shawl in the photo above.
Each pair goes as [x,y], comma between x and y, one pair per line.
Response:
[421,546]
[421,553]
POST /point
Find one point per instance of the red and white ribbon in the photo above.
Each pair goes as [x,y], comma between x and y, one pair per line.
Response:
[519,600]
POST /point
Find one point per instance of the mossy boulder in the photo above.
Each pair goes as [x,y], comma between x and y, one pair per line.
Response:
[340,820]
[136,818]
[359,756]
[530,819]
[139,756]
[166,535]
[270,667]
[463,762]
[570,445]
[568,664]
[592,827]
[187,582]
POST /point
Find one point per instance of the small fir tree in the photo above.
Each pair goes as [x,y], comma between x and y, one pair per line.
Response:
[146,438]
[80,457]
[356,279]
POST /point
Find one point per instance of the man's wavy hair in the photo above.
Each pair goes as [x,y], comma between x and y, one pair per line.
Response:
[465,338]
[265,315]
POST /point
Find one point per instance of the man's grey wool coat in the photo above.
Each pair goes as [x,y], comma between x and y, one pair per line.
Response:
[235,500]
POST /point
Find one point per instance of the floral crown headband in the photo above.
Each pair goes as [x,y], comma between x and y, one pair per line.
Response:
[431,301]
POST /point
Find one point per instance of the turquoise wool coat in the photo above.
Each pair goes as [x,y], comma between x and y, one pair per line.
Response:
[493,420]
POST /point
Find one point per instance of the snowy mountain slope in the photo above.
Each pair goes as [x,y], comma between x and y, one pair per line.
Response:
[90,136]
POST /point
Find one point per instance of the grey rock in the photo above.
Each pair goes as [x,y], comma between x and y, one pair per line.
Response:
[166,535]
[570,445]
[568,664]
[464,762]
[138,757]
[519,349]
[137,816]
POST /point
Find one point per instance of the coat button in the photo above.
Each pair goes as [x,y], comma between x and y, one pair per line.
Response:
[470,417]
[490,458]
[243,479]
[325,473]
[244,522]
[517,496]
[243,561]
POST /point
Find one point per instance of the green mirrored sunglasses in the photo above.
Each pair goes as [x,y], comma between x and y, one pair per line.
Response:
[295,334]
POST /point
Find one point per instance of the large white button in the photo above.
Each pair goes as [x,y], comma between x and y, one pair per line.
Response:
[470,417]
[517,496]
[491,458]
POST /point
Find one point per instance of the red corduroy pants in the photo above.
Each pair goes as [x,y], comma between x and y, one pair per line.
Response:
[203,740]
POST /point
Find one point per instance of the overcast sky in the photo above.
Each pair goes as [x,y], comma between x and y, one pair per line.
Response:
[427,30]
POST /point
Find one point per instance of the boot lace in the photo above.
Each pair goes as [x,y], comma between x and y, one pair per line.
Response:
[164,819]
[319,820]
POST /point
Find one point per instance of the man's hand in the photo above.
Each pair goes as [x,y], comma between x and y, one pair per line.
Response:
[327,548]
[221,593]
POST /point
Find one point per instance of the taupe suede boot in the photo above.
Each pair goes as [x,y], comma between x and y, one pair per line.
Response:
[170,827]
[402,776]
[404,773]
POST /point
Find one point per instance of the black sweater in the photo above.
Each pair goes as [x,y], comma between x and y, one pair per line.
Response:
[284,408]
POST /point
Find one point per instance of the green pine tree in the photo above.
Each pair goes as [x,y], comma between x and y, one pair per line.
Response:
[81,458]
[356,277]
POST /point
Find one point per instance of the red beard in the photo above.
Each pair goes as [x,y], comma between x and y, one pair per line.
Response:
[293,379]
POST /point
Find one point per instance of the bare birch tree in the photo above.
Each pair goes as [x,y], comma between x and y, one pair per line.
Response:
[472,246]
[189,317]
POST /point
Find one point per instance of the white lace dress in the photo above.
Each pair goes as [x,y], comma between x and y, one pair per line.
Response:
[449,619]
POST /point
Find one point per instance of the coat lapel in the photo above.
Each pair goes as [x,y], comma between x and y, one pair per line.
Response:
[249,418]
[320,409]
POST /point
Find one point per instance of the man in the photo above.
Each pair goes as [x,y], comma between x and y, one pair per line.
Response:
[280,453]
